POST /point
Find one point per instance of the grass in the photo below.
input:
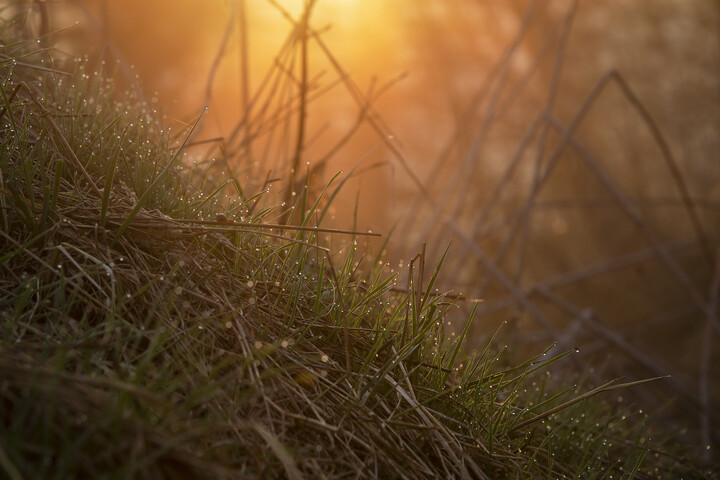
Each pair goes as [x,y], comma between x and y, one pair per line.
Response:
[159,324]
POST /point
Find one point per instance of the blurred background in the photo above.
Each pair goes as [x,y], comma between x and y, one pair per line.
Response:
[569,152]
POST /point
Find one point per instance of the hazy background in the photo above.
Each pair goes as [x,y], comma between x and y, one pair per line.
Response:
[455,114]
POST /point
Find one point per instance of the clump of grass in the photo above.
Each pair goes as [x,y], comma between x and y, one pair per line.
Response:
[152,328]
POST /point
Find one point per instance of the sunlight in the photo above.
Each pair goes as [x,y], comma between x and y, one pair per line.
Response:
[190,34]
[355,31]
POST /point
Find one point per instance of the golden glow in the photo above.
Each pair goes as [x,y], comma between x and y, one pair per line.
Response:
[174,55]
[356,30]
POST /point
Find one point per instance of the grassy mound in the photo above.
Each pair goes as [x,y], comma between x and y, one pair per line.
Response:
[156,324]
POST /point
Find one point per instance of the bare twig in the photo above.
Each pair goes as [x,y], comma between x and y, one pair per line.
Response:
[705,361]
[635,217]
